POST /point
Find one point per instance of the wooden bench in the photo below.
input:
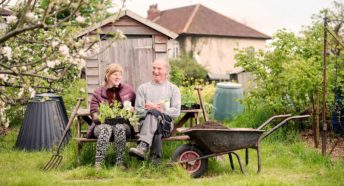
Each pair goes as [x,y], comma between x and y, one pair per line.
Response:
[83,116]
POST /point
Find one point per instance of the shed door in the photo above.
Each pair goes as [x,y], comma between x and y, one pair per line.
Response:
[134,55]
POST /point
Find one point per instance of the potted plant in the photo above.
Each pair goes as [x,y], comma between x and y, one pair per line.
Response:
[116,113]
[189,99]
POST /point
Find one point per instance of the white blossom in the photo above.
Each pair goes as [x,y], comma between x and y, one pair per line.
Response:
[54,43]
[24,68]
[64,50]
[7,52]
[80,19]
[31,16]
[32,92]
[4,77]
[21,92]
[53,63]
[82,53]
[11,19]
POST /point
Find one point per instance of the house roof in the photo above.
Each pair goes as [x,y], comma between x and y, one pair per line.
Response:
[134,16]
[198,19]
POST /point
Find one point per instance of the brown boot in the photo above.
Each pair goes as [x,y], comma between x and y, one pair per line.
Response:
[139,151]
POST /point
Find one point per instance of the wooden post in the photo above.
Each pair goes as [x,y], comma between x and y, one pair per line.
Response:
[324,118]
[317,121]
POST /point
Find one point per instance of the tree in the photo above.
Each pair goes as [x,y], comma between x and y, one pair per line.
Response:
[38,49]
[289,72]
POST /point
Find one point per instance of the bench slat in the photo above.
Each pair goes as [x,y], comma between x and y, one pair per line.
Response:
[172,138]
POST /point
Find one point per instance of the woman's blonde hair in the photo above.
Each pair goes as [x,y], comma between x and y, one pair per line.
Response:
[112,68]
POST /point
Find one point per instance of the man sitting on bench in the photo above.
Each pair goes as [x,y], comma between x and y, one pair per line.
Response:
[158,101]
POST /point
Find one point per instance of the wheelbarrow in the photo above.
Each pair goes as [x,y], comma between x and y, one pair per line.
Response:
[206,143]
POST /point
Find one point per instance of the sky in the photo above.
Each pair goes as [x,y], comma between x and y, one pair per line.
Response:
[266,16]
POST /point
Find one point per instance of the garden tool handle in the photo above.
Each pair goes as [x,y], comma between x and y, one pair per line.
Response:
[70,121]
[281,124]
[272,118]
[198,89]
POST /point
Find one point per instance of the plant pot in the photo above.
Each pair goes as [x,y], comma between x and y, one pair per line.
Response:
[195,106]
[114,121]
[191,107]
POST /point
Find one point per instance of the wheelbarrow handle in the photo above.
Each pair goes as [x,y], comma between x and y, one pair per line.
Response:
[281,124]
[272,118]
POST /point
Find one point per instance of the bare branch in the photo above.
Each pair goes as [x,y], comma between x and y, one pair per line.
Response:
[22,17]
[15,32]
[28,74]
[21,86]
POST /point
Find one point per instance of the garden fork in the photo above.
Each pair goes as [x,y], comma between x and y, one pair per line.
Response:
[56,159]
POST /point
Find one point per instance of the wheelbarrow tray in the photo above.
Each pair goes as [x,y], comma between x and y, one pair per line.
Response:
[224,140]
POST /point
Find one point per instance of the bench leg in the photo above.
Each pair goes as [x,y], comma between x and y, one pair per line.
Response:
[78,152]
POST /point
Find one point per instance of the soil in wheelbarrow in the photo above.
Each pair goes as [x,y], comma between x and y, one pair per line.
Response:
[210,125]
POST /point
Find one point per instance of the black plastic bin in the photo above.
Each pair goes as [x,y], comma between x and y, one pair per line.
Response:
[43,125]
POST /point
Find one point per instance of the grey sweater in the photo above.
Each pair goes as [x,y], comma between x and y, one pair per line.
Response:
[166,93]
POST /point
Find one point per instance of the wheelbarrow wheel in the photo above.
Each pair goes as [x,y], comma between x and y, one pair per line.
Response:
[188,152]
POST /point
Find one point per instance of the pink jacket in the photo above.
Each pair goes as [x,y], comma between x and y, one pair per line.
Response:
[126,93]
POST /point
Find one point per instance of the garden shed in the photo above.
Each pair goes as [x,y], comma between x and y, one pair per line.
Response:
[145,41]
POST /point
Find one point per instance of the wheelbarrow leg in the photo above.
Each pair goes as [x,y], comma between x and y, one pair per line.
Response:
[231,160]
[239,161]
[246,156]
[259,159]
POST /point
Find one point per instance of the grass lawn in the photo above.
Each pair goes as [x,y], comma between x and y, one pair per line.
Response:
[282,164]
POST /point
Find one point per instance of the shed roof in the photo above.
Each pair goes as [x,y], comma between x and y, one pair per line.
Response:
[200,20]
[134,16]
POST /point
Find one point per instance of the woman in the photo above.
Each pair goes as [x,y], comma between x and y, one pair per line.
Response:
[113,90]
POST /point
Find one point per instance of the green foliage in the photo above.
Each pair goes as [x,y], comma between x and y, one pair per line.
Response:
[185,67]
[188,96]
[282,164]
[288,74]
[116,110]
[72,91]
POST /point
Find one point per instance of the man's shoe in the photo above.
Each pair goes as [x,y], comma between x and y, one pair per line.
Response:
[139,151]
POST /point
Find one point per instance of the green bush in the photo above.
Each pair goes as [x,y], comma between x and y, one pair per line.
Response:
[185,67]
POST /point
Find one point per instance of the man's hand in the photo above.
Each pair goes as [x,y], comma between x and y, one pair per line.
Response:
[150,106]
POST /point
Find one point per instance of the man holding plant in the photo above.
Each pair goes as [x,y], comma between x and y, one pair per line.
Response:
[158,101]
[112,92]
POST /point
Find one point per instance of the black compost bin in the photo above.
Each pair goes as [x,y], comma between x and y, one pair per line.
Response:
[51,95]
[43,125]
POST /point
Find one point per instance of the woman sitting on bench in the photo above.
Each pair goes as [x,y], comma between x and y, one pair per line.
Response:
[113,90]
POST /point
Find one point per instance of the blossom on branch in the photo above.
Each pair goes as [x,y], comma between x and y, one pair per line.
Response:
[7,52]
[64,50]
[11,19]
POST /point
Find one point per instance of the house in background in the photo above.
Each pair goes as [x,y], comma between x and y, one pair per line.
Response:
[209,35]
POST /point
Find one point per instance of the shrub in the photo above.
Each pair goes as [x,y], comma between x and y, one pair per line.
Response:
[186,67]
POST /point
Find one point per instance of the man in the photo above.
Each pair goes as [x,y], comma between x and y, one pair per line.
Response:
[158,101]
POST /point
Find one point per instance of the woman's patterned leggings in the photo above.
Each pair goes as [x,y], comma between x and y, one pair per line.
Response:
[103,133]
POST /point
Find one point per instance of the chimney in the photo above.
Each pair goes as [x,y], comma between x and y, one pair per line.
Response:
[153,12]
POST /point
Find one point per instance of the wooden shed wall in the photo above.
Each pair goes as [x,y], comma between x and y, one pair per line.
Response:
[135,54]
